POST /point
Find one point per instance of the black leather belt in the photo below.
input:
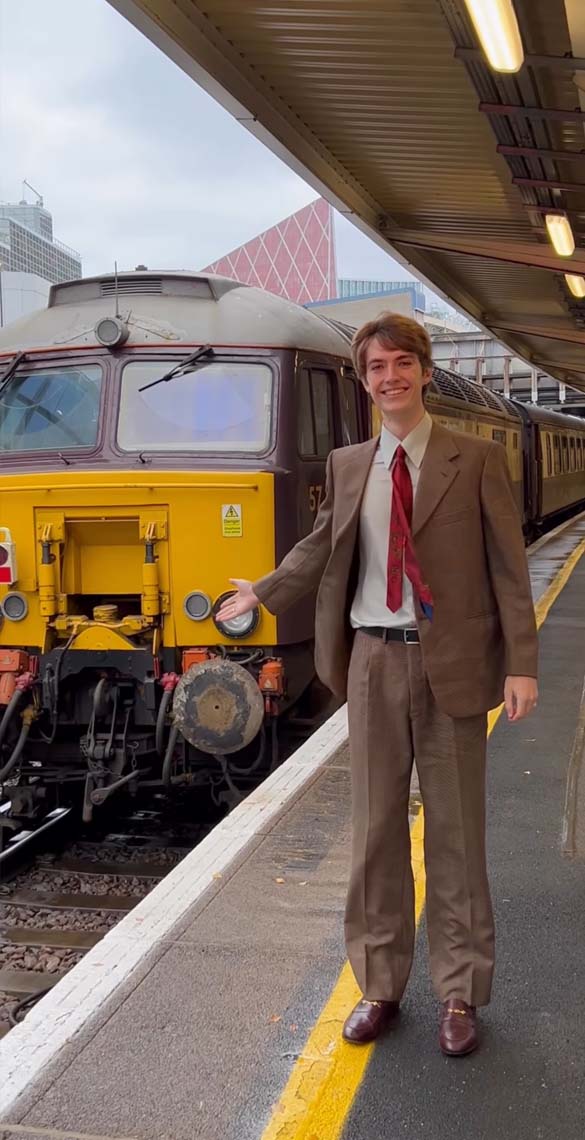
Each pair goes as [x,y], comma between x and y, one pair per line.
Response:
[388,633]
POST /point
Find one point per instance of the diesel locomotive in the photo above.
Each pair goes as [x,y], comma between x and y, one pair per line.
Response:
[160,433]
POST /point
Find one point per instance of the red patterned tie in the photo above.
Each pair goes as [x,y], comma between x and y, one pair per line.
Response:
[401,556]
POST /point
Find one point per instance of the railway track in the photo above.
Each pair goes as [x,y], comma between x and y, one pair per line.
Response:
[63,885]
[62,903]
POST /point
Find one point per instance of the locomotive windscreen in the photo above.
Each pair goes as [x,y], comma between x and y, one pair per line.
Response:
[50,410]
[221,406]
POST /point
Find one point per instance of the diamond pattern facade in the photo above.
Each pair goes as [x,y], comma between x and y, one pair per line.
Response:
[295,259]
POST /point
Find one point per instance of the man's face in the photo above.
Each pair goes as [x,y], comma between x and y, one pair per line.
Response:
[395,380]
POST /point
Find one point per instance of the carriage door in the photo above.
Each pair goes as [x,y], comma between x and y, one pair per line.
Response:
[316,437]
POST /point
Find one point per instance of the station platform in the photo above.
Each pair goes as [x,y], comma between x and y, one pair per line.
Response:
[214,1008]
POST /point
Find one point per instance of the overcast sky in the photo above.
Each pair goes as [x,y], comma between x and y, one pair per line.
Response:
[135,162]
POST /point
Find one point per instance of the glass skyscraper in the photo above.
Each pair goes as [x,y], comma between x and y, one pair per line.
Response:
[27,244]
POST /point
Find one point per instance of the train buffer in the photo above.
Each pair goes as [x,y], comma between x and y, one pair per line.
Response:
[214,1008]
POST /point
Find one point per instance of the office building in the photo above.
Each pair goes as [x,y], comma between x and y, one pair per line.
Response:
[31,259]
[27,244]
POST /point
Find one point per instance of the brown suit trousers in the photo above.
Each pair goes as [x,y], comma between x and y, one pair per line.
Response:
[393,718]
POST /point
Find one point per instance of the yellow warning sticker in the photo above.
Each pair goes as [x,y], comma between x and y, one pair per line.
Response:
[231,520]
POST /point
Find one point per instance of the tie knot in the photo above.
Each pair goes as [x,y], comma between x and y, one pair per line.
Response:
[400,454]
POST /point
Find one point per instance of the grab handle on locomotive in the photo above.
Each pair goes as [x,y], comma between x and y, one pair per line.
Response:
[47,575]
[150,580]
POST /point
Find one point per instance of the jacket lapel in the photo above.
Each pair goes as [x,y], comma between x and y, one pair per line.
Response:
[436,475]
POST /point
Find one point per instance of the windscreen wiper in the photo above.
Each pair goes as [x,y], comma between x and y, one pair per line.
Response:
[183,366]
[16,360]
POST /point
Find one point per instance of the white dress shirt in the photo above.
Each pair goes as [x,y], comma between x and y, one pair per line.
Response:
[369,604]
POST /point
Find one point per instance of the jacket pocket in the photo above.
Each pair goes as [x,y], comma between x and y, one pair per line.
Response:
[454,516]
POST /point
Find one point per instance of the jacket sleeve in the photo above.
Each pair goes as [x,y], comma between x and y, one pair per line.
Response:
[508,565]
[301,569]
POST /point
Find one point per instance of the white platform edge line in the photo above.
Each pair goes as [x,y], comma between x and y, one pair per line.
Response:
[51,1025]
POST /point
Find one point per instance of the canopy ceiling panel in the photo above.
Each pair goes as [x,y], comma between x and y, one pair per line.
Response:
[389,109]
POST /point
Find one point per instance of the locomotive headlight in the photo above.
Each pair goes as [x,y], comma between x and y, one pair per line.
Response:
[236,627]
[14,606]
[197,605]
[111,332]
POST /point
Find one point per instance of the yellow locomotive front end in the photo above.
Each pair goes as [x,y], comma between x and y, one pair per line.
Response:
[143,463]
[111,581]
[158,545]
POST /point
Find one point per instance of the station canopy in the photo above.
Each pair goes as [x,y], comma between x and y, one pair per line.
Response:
[390,110]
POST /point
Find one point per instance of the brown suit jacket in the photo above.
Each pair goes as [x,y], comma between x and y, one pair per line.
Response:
[468,539]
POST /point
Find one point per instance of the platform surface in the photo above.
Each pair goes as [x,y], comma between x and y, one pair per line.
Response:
[202,1035]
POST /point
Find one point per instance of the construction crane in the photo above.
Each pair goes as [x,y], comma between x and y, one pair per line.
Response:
[39,201]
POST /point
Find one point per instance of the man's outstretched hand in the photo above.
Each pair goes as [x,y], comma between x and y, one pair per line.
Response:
[239,603]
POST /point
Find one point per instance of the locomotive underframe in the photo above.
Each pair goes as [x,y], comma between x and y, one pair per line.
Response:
[105,715]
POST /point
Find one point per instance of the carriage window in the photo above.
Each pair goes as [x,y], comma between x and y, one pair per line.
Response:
[315,433]
[549,465]
[579,453]
[573,466]
[557,454]
[55,409]
[499,436]
[565,447]
[515,441]
[222,406]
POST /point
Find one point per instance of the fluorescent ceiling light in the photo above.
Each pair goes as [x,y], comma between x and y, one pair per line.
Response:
[576,284]
[497,30]
[560,234]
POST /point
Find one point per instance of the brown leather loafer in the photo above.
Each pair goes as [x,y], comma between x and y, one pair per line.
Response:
[458,1031]
[369,1019]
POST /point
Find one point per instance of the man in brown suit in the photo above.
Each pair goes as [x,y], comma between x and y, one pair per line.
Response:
[424,622]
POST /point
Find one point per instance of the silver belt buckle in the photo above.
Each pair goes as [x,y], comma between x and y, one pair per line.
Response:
[413,639]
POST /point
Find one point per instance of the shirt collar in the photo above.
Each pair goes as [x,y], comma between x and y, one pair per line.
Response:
[414,444]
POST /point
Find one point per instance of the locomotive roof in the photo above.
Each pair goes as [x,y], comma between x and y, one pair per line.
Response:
[171,308]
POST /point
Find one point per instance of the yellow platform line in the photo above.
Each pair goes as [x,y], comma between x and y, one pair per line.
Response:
[325,1079]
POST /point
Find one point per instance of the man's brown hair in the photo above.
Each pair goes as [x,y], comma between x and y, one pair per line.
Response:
[393,331]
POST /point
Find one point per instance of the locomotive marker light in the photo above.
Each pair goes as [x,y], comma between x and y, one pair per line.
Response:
[236,627]
[8,571]
[111,332]
[14,606]
[197,605]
